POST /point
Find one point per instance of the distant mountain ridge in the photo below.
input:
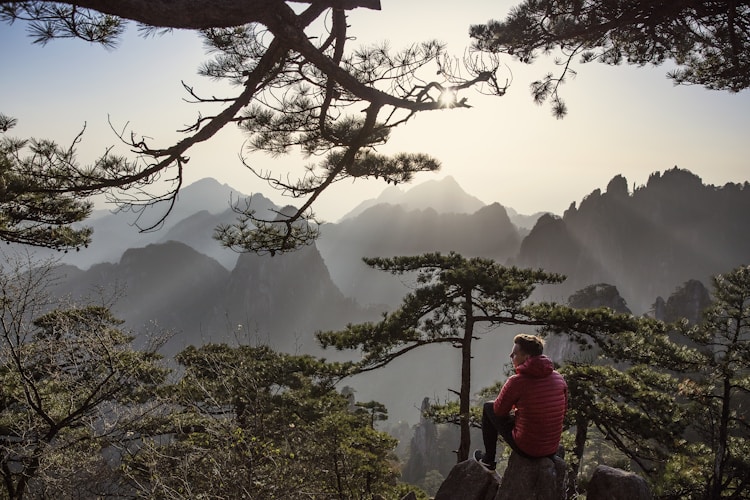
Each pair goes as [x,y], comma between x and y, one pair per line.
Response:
[610,238]
[646,243]
[115,232]
[170,285]
[390,230]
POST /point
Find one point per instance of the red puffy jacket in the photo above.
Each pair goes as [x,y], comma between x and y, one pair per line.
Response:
[539,396]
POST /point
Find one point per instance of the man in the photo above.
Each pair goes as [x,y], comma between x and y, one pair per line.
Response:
[529,411]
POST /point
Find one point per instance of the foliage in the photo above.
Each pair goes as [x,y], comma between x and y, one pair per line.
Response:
[675,406]
[242,414]
[720,388]
[452,294]
[625,391]
[633,407]
[297,91]
[33,208]
[72,386]
[708,41]
[436,311]
[83,414]
[375,411]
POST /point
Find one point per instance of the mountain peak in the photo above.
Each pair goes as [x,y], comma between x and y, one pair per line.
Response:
[443,195]
[208,194]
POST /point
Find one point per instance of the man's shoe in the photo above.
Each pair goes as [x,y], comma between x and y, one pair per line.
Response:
[479,457]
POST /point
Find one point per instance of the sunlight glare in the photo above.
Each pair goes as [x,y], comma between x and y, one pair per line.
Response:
[447,98]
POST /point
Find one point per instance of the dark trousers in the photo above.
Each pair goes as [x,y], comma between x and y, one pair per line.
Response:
[492,426]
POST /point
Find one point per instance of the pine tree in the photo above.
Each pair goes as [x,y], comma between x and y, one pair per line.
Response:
[33,208]
[297,90]
[708,41]
[241,414]
[670,396]
[453,294]
[720,390]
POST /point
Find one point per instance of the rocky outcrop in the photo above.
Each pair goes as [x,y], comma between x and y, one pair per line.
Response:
[533,479]
[646,242]
[537,479]
[469,481]
[422,456]
[686,302]
[608,483]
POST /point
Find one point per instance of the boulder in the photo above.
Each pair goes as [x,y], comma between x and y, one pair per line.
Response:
[608,483]
[533,479]
[529,479]
[468,480]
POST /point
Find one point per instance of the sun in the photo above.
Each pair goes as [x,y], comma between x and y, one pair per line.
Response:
[447,98]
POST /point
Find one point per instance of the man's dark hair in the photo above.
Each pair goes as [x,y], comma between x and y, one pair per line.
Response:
[529,344]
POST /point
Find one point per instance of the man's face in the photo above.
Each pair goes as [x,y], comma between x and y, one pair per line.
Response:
[517,356]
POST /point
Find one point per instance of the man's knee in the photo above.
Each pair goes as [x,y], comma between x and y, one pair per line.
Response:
[489,408]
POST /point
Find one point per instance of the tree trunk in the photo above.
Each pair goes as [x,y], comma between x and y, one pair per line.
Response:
[582,431]
[721,449]
[465,394]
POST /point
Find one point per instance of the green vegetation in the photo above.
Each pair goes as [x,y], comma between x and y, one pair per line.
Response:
[85,414]
[73,388]
[247,422]
[33,207]
[670,399]
[453,294]
[708,41]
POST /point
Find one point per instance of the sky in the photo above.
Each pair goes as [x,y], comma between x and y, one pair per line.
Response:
[622,120]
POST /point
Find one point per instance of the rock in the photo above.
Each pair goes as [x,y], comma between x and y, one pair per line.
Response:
[468,480]
[533,479]
[608,483]
[527,479]
[422,456]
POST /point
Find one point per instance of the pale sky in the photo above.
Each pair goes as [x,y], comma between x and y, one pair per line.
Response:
[622,120]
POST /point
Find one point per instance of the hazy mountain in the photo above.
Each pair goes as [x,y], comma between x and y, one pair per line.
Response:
[278,300]
[524,223]
[443,196]
[647,242]
[168,285]
[201,206]
[115,232]
[391,230]
[197,230]
[686,302]
[289,296]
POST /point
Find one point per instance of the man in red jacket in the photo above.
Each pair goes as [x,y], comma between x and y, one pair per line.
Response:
[529,411]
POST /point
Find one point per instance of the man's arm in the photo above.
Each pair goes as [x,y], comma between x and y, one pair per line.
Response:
[507,398]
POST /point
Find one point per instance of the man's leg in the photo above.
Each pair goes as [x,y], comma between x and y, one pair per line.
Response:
[489,432]
[492,426]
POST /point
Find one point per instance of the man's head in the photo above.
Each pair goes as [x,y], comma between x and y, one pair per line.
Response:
[525,346]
